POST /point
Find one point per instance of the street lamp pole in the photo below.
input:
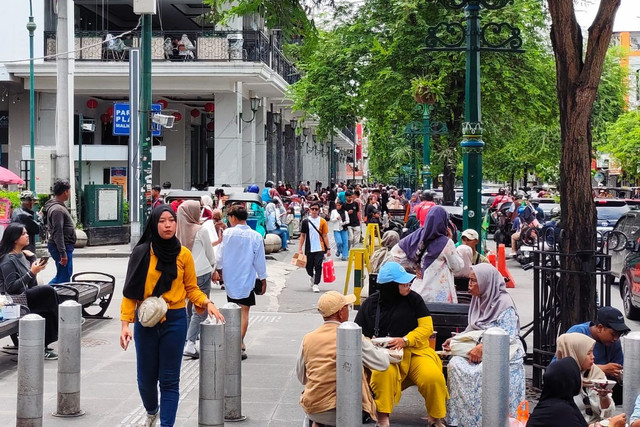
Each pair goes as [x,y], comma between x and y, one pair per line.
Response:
[426,146]
[31,27]
[145,119]
[472,39]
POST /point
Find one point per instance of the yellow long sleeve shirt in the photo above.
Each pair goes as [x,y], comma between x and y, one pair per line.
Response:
[185,285]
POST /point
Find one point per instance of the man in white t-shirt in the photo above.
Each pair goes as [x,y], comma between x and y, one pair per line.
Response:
[314,243]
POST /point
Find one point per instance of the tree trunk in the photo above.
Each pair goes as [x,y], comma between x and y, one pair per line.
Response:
[577,85]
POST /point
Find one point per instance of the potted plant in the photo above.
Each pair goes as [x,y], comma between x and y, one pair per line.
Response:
[426,90]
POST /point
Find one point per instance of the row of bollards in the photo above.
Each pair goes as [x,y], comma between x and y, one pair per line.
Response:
[220,367]
[31,365]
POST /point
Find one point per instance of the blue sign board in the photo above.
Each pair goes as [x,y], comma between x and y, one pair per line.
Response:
[122,119]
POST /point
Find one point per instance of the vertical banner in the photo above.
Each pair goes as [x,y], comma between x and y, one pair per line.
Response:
[119,177]
[358,142]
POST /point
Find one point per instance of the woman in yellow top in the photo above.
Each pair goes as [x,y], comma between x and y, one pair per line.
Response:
[398,312]
[160,266]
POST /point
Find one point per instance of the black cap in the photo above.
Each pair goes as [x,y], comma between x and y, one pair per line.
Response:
[612,318]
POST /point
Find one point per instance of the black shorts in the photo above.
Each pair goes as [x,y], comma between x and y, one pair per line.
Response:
[248,301]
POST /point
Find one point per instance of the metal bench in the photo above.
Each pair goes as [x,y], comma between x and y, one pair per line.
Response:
[93,290]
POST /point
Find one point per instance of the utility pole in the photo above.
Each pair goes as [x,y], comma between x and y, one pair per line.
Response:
[31,27]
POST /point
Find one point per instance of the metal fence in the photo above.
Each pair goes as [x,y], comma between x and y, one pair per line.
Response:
[549,276]
[181,46]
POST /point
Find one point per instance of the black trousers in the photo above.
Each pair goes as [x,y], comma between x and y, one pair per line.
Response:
[43,300]
[314,265]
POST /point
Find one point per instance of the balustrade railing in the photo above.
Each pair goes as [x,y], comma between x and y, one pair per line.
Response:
[181,46]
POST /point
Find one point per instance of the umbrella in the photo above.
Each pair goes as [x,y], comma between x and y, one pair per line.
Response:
[7,177]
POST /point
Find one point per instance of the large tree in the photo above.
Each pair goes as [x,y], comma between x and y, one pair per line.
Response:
[578,76]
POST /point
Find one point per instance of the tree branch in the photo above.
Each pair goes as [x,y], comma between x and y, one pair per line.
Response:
[598,43]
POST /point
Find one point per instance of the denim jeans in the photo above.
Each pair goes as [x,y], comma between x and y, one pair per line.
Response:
[283,233]
[158,358]
[63,274]
[204,283]
[342,242]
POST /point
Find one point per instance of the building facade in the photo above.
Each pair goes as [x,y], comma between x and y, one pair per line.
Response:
[204,76]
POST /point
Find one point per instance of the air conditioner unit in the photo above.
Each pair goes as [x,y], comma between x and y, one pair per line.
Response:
[144,7]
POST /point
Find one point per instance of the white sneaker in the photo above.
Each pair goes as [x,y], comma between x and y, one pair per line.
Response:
[311,284]
[150,420]
[316,288]
[190,350]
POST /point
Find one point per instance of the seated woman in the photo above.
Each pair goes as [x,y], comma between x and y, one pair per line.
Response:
[274,221]
[432,253]
[397,311]
[594,403]
[18,271]
[556,407]
[383,253]
[491,306]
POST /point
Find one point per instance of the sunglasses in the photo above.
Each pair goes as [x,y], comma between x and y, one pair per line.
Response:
[314,209]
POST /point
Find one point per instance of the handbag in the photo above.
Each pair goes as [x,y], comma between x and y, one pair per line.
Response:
[257,287]
[151,311]
[462,344]
[395,356]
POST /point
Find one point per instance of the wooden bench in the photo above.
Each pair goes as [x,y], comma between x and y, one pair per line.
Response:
[448,318]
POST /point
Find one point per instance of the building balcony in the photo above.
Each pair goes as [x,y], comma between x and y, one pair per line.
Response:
[181,47]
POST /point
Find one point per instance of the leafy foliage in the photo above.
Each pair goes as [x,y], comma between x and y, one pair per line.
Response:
[623,141]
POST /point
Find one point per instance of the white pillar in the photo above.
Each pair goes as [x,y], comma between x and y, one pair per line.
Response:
[65,42]
[261,145]
[248,144]
[228,140]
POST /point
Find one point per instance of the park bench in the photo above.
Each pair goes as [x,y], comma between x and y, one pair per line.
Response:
[92,290]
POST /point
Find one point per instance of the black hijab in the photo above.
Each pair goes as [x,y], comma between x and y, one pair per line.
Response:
[398,314]
[557,408]
[167,251]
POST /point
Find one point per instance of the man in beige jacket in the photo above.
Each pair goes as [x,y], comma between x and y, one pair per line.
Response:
[316,365]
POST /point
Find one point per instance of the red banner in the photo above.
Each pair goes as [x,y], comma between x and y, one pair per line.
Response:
[358,141]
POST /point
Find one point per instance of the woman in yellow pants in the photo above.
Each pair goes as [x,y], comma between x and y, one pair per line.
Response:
[401,314]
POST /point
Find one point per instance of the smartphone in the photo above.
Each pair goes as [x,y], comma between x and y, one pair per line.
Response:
[43,260]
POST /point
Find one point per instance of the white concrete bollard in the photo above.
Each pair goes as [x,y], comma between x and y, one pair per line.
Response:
[30,371]
[212,358]
[69,359]
[349,375]
[495,378]
[233,362]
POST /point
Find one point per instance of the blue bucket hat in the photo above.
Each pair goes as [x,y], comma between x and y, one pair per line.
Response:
[394,272]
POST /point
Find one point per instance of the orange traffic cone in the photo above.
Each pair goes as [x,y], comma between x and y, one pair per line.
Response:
[502,267]
[492,258]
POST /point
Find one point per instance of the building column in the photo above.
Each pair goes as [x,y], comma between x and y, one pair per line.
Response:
[228,139]
[289,161]
[248,144]
[261,146]
[299,157]
[279,142]
[271,147]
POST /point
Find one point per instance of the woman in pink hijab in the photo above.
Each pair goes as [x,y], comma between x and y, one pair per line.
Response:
[196,238]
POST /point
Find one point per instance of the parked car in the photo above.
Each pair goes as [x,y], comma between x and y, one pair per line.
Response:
[609,212]
[623,246]
[630,285]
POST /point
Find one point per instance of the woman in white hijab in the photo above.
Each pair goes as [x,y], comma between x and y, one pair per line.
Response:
[594,402]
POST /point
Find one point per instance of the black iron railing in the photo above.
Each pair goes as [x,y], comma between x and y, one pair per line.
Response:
[181,46]
[549,276]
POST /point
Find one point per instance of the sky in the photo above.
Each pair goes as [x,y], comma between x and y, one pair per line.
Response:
[627,17]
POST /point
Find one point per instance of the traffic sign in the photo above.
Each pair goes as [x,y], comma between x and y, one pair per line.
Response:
[122,119]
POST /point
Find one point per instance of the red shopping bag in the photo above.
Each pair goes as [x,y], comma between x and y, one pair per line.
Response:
[328,271]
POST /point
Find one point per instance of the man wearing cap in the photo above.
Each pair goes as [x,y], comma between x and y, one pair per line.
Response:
[607,352]
[27,217]
[470,238]
[316,365]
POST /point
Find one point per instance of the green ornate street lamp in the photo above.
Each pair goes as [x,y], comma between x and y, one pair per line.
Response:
[426,128]
[31,27]
[472,38]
